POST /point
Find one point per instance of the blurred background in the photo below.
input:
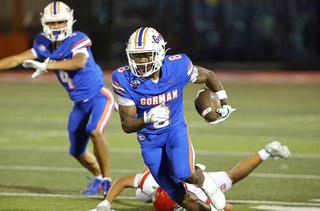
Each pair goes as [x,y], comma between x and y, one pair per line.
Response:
[220,34]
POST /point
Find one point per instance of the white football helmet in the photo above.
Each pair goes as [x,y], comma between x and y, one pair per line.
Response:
[146,40]
[54,12]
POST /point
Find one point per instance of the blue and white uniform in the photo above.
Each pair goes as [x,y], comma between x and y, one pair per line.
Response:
[167,141]
[93,103]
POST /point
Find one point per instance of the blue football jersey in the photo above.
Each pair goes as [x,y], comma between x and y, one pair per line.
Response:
[80,84]
[176,73]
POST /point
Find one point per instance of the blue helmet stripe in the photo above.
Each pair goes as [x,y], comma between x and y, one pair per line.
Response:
[140,36]
[55,8]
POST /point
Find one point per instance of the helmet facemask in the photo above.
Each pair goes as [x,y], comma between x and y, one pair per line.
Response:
[57,12]
[153,45]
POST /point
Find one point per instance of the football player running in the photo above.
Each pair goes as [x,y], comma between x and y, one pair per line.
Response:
[150,98]
[147,189]
[67,53]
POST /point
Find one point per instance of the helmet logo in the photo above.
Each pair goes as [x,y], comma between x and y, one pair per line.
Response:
[158,38]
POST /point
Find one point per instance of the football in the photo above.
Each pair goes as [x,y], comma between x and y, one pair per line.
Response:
[206,103]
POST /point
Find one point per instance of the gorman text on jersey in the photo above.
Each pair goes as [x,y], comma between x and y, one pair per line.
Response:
[162,98]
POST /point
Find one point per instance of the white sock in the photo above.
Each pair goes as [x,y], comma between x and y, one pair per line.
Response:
[106,178]
[99,177]
[264,155]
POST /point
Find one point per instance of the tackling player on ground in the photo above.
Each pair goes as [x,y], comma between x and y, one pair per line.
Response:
[150,101]
[67,53]
[148,190]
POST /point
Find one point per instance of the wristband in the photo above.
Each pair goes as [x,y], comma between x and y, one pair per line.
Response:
[222,94]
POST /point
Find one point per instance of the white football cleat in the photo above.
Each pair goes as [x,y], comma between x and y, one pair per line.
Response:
[275,149]
[104,206]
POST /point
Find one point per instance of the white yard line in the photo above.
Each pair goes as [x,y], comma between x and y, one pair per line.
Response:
[137,151]
[61,169]
[286,208]
[130,171]
[311,206]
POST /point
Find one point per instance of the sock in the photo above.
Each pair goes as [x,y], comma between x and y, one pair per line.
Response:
[264,155]
[106,178]
[99,177]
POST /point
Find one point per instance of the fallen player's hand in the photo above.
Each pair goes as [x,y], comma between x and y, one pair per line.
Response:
[159,113]
[224,112]
[39,66]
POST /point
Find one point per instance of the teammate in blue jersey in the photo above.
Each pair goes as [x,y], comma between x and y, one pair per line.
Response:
[68,55]
[150,98]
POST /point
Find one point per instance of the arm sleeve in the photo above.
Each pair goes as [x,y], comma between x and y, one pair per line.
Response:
[193,74]
[34,52]
[125,101]
[81,50]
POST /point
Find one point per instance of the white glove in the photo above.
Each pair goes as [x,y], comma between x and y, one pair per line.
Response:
[224,112]
[104,206]
[159,113]
[39,66]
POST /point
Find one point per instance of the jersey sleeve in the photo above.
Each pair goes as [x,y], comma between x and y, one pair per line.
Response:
[192,71]
[193,74]
[81,41]
[119,82]
[183,67]
[125,102]
[40,45]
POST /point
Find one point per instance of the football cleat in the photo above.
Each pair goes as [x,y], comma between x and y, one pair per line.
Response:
[275,149]
[105,187]
[104,206]
[93,188]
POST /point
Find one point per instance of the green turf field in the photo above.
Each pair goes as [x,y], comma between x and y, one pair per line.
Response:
[37,173]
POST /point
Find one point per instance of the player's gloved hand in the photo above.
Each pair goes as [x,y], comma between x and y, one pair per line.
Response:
[159,113]
[224,112]
[39,66]
[104,206]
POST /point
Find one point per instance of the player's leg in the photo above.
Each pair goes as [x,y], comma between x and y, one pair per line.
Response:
[79,137]
[156,158]
[181,153]
[244,168]
[101,151]
[89,161]
[101,113]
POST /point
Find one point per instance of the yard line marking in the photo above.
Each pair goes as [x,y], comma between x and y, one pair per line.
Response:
[137,151]
[286,176]
[60,169]
[274,202]
[134,198]
[130,171]
[286,208]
